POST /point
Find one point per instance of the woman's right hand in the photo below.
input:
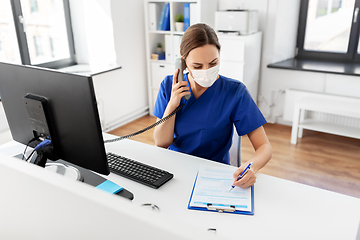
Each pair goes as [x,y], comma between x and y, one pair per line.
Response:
[164,133]
[179,90]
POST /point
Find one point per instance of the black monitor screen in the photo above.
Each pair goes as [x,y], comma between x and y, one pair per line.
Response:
[74,114]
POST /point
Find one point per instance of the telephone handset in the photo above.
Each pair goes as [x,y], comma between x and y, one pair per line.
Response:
[180,64]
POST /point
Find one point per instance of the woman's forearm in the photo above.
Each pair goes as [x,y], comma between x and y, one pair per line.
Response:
[261,157]
[164,133]
[262,147]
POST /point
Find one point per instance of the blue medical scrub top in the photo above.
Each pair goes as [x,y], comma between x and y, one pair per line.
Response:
[204,126]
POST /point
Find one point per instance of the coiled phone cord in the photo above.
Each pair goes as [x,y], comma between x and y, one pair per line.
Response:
[149,127]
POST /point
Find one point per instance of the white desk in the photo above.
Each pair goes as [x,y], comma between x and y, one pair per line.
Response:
[283,209]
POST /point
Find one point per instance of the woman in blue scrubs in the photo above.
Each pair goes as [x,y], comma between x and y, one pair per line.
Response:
[204,126]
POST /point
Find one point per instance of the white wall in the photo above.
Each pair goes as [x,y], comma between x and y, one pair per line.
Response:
[129,93]
[129,35]
[108,31]
[279,44]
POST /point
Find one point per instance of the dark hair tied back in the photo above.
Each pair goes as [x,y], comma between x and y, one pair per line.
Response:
[198,35]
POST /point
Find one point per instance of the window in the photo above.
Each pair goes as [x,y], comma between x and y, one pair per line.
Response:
[329,30]
[43,32]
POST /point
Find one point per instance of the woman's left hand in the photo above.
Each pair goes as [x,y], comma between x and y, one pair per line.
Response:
[247,180]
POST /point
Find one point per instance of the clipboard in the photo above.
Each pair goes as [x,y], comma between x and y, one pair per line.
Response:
[220,207]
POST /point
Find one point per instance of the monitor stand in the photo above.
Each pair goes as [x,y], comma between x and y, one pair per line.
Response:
[65,170]
[89,177]
[57,167]
[95,179]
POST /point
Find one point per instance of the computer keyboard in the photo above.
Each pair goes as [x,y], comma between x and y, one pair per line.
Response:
[136,171]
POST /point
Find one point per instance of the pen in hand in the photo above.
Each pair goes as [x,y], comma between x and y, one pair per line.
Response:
[242,174]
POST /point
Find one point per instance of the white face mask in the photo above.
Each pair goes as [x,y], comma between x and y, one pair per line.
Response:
[207,77]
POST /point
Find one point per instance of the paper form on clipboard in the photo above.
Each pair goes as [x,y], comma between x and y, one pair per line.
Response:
[211,192]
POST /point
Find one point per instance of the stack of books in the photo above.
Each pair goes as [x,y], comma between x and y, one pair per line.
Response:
[158,56]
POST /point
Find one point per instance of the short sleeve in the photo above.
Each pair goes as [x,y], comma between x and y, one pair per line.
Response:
[163,97]
[246,115]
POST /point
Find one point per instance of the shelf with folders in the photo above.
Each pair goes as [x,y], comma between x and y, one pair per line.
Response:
[163,15]
[158,15]
[165,45]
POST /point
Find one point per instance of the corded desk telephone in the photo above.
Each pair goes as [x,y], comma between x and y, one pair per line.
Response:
[180,64]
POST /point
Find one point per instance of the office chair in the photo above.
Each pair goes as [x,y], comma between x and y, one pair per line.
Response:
[235,150]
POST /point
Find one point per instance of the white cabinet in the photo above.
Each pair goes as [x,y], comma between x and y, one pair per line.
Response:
[232,48]
[159,71]
[240,59]
[232,69]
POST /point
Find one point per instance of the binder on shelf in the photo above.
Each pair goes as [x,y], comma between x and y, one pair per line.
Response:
[194,16]
[176,46]
[166,20]
[169,48]
[211,193]
[154,15]
[161,20]
[186,15]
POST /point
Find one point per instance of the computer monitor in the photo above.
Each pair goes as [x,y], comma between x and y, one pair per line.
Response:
[70,107]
